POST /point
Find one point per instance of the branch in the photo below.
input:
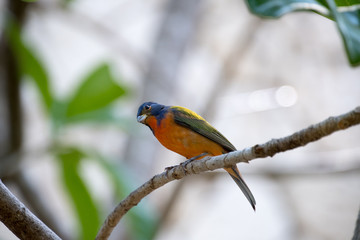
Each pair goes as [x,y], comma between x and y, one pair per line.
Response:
[357,228]
[20,220]
[268,149]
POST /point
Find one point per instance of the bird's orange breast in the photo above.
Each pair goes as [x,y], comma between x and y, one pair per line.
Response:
[182,140]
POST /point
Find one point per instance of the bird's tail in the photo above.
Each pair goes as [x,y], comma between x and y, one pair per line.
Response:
[235,174]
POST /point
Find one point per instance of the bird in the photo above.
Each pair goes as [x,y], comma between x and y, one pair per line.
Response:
[188,134]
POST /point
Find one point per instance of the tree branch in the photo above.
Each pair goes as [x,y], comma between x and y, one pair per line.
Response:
[268,149]
[20,220]
[357,228]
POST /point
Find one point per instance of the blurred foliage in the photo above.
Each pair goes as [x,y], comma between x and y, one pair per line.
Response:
[97,91]
[85,206]
[92,101]
[345,13]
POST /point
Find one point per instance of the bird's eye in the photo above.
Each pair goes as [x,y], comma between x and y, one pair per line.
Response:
[147,107]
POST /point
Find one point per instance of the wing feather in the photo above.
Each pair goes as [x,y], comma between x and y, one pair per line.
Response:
[193,121]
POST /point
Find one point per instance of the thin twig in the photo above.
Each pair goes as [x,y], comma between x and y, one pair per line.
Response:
[20,220]
[268,149]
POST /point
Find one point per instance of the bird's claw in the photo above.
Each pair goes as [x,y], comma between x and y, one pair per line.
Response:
[183,164]
[169,168]
[192,159]
[187,162]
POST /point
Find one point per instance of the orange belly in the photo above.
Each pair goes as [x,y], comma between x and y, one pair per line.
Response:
[183,140]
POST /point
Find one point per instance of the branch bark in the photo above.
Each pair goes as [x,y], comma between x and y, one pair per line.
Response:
[20,220]
[268,149]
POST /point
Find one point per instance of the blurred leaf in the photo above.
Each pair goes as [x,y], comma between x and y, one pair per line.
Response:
[105,114]
[345,13]
[142,221]
[97,91]
[29,64]
[84,204]
[67,2]
[108,117]
[57,115]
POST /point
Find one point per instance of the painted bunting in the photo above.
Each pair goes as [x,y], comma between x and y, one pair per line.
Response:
[188,134]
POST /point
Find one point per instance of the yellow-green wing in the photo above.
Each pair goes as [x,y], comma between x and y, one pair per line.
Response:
[195,122]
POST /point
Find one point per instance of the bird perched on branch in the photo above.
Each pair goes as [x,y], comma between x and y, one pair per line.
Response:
[188,134]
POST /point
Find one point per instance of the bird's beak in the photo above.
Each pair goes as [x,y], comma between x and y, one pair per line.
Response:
[141,118]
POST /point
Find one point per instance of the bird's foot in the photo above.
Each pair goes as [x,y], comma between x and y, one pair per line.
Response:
[170,167]
[187,161]
[193,159]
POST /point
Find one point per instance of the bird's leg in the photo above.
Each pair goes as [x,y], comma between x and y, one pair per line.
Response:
[193,159]
[187,161]
[170,167]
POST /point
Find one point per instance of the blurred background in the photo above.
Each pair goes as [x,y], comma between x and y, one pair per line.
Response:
[73,73]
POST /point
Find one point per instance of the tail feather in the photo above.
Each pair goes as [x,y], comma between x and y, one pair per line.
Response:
[235,174]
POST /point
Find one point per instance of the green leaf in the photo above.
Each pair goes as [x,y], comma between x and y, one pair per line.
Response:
[143,222]
[84,204]
[97,91]
[29,64]
[346,14]
[277,8]
[349,26]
